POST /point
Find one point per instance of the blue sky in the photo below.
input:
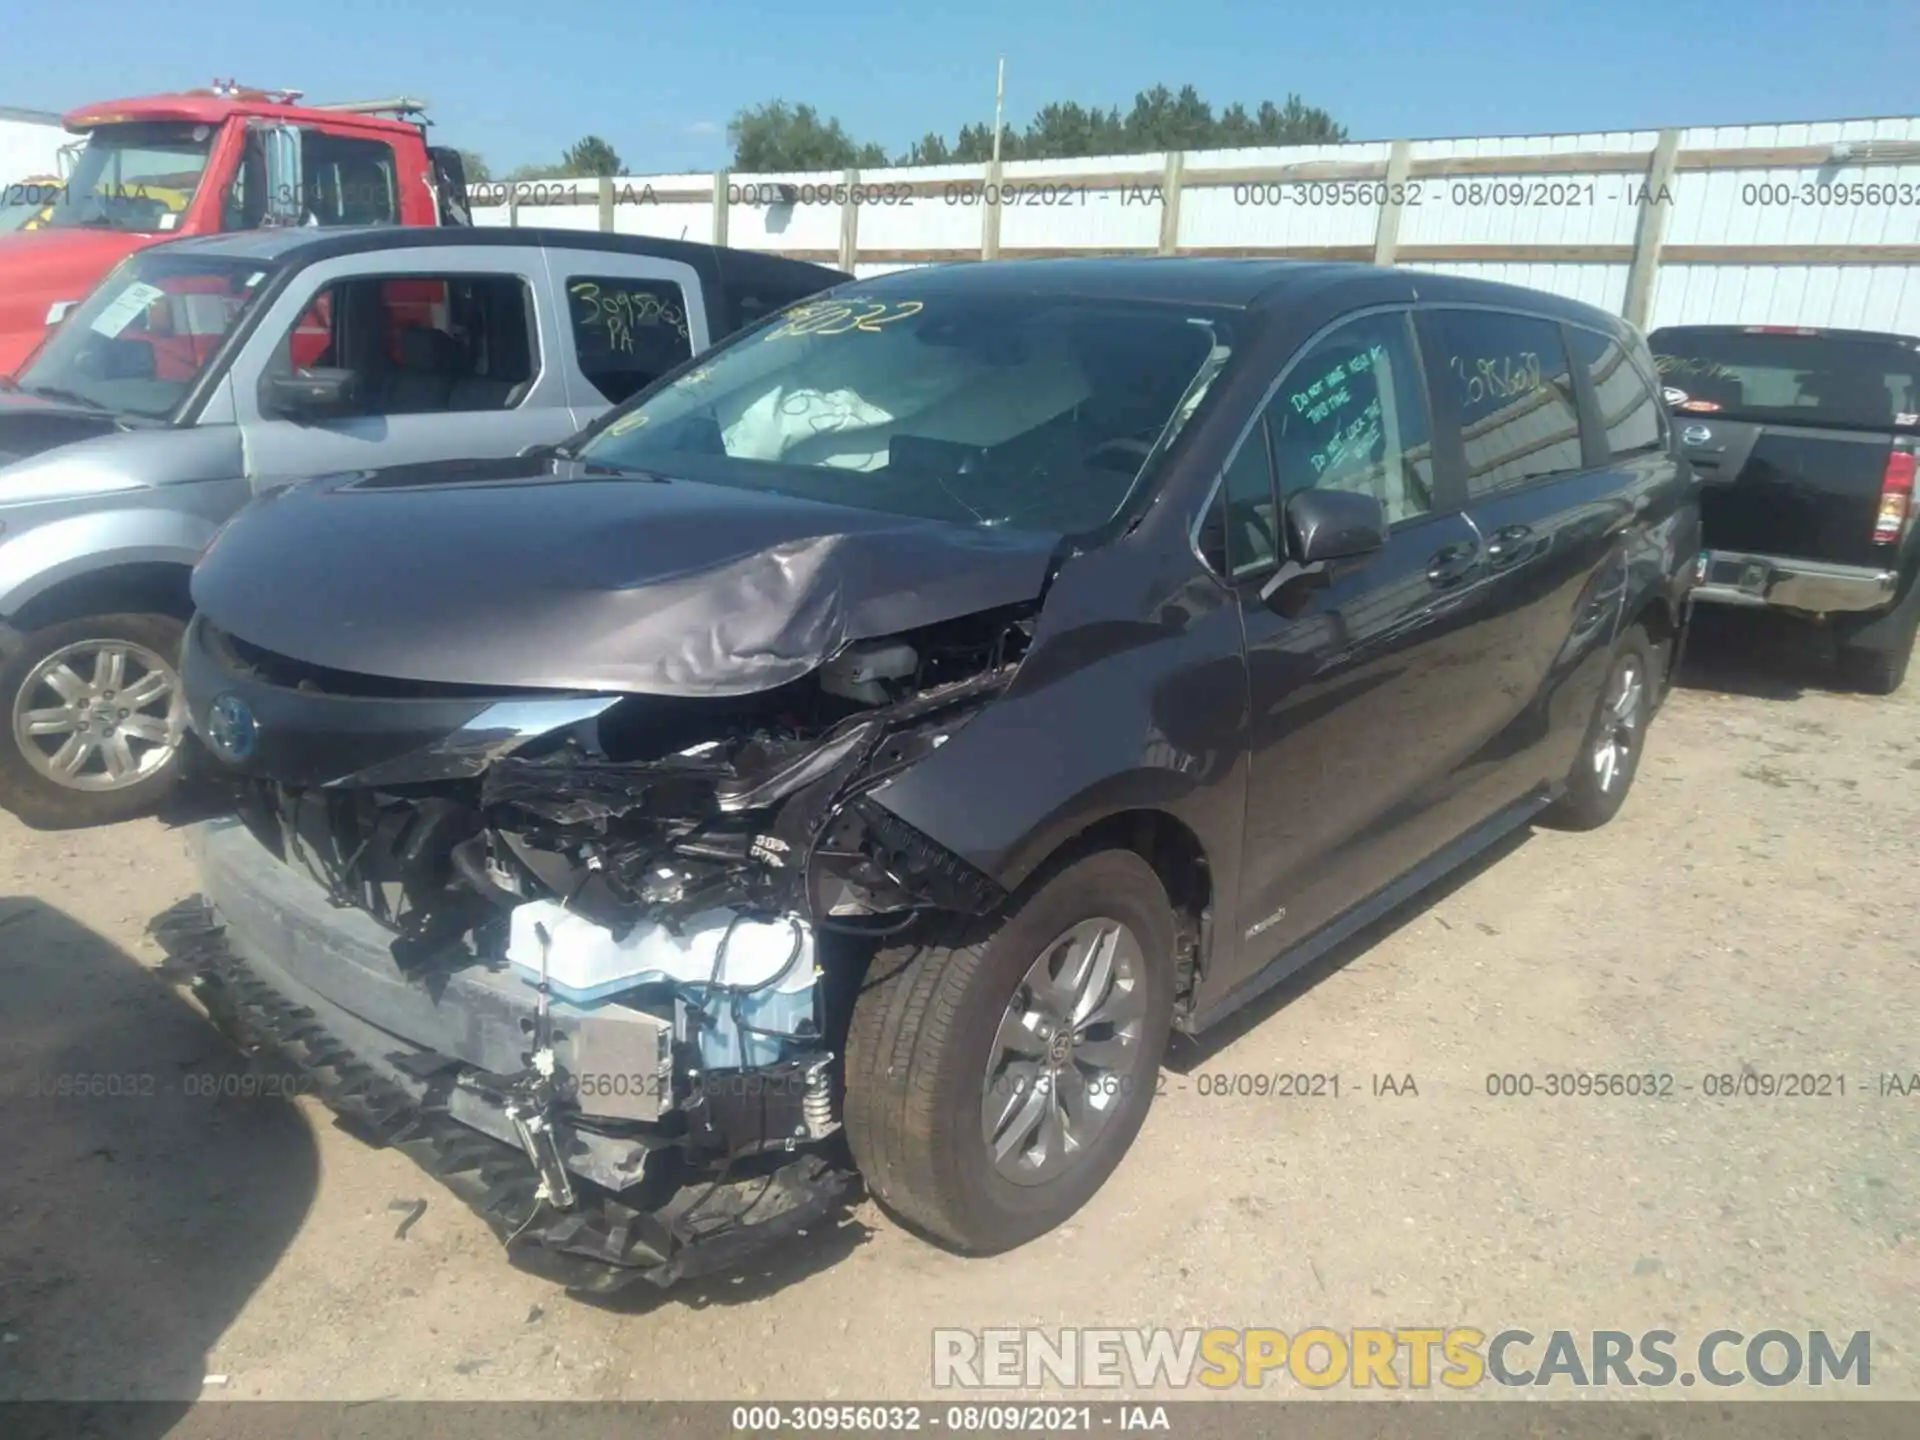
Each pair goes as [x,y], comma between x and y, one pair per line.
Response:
[518,82]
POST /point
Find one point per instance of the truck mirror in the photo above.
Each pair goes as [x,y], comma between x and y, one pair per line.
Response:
[450,185]
[286,192]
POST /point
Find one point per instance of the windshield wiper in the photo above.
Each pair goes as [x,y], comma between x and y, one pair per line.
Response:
[55,392]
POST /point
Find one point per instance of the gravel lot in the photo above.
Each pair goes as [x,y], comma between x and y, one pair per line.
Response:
[1753,906]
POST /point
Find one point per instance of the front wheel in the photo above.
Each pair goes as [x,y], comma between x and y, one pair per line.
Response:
[993,1086]
[95,717]
[1609,755]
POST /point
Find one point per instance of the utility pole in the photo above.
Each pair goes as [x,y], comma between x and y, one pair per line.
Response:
[999,104]
[990,212]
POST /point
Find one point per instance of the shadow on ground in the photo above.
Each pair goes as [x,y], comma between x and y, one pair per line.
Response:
[147,1188]
[1756,654]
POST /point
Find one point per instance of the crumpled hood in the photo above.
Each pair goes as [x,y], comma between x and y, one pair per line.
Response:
[555,575]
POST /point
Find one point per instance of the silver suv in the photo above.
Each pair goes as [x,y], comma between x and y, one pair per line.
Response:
[204,372]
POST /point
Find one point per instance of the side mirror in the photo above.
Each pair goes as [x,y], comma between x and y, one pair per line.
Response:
[316,394]
[1334,525]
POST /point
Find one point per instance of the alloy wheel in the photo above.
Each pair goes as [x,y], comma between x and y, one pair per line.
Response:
[99,715]
[1619,724]
[1065,1051]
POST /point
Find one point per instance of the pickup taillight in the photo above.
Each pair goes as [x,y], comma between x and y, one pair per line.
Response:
[1896,498]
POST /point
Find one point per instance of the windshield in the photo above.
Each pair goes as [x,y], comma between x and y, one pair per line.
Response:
[1804,379]
[140,340]
[134,177]
[26,201]
[1035,413]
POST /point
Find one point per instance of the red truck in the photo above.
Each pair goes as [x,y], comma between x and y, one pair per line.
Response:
[208,161]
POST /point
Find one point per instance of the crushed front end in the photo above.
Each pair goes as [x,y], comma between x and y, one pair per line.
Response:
[588,958]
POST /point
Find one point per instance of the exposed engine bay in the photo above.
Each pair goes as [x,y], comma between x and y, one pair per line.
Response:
[680,893]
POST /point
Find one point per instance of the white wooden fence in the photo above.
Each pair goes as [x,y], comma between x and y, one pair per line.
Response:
[1799,223]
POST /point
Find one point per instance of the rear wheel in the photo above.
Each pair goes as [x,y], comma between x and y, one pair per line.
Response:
[994,1083]
[94,720]
[1609,756]
[1880,669]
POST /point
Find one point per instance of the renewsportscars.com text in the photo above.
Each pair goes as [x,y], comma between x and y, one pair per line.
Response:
[1396,1358]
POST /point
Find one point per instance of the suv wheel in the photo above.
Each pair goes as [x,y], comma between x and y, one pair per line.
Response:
[1609,755]
[1879,669]
[94,718]
[993,1086]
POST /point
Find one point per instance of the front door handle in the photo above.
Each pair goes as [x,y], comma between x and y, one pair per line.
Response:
[1453,563]
[1507,543]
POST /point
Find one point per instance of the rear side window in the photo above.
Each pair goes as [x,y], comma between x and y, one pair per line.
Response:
[1793,378]
[627,333]
[1629,409]
[1351,415]
[1508,378]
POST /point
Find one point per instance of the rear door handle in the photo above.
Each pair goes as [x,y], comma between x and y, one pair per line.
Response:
[1453,563]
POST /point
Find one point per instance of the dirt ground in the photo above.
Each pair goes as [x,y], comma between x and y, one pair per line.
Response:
[1752,908]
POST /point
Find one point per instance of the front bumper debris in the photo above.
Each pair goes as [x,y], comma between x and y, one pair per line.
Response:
[1727,577]
[598,1246]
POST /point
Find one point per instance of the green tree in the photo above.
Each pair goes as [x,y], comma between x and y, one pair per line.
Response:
[1298,124]
[1060,131]
[474,164]
[592,156]
[929,149]
[776,137]
[975,144]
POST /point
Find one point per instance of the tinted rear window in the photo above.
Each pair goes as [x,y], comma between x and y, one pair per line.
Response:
[1805,379]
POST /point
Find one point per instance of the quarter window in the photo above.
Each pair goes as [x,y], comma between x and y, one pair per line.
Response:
[1245,521]
[1628,407]
[1351,415]
[627,333]
[1509,379]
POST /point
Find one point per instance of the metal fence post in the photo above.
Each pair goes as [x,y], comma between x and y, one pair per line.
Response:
[1652,231]
[606,203]
[720,184]
[513,205]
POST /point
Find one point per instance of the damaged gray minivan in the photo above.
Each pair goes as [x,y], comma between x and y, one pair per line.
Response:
[854,754]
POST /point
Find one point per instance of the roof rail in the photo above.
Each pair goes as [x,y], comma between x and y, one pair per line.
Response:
[399,105]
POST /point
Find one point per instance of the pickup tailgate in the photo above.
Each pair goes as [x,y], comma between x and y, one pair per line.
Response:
[1790,430]
[1797,491]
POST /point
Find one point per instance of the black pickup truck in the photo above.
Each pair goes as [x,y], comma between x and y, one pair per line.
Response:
[1804,440]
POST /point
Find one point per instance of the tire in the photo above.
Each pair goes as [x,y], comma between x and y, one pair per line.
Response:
[149,645]
[1879,669]
[1595,790]
[931,1019]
